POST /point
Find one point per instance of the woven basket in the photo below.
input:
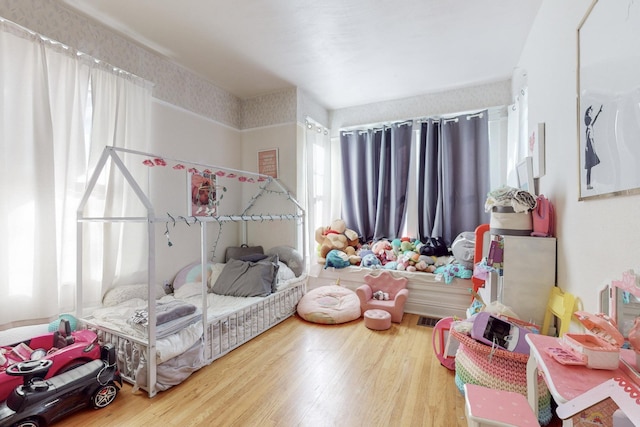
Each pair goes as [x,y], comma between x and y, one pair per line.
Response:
[477,363]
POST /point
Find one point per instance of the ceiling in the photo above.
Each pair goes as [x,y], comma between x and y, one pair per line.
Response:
[342,53]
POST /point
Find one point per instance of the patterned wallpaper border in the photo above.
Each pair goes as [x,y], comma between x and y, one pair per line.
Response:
[183,88]
[435,104]
[173,83]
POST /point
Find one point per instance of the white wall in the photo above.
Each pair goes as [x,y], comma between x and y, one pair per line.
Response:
[180,134]
[597,239]
[283,137]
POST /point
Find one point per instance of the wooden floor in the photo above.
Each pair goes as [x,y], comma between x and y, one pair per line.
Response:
[303,374]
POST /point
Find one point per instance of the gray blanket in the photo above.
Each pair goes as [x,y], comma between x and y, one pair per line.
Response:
[165,312]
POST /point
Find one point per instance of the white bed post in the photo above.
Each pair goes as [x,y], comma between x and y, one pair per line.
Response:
[245,233]
[151,351]
[204,271]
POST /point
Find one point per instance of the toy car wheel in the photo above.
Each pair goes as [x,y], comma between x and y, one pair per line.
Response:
[31,422]
[104,396]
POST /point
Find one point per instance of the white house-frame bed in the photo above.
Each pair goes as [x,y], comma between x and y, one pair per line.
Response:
[218,323]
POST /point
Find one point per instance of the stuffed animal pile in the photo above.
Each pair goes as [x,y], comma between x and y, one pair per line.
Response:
[339,247]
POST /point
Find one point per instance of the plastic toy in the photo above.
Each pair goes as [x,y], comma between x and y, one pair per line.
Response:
[443,346]
[64,348]
[39,402]
[496,331]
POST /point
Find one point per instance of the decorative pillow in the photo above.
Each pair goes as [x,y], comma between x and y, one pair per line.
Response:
[187,290]
[237,252]
[123,293]
[289,256]
[193,273]
[246,278]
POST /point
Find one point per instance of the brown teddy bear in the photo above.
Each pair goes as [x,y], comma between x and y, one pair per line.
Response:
[335,236]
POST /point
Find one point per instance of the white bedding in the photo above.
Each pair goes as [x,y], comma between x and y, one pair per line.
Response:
[116,318]
[180,338]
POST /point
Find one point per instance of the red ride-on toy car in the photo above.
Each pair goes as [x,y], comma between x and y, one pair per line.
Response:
[39,402]
[64,348]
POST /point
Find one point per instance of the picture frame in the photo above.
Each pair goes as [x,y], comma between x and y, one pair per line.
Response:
[202,194]
[608,88]
[268,162]
[524,170]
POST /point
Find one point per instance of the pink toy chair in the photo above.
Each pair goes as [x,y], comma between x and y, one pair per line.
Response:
[396,287]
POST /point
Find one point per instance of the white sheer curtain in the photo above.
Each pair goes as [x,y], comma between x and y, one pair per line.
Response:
[45,156]
[517,134]
[318,176]
[117,252]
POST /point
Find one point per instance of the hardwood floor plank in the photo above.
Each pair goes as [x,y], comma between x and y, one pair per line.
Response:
[303,374]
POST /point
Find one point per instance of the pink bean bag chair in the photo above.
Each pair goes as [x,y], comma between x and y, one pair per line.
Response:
[330,305]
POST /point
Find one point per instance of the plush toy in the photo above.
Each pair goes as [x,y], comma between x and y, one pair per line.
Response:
[407,245]
[380,247]
[335,236]
[364,252]
[371,261]
[395,246]
[337,259]
[354,258]
[390,256]
[424,266]
[391,265]
[449,271]
[382,296]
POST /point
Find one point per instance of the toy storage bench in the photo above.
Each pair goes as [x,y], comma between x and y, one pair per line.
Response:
[429,294]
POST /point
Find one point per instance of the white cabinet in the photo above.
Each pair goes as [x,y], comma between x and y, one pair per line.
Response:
[528,274]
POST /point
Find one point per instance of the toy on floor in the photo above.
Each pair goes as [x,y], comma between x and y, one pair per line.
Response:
[443,346]
[43,402]
[66,348]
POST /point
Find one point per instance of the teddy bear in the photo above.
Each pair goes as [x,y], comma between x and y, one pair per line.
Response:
[335,236]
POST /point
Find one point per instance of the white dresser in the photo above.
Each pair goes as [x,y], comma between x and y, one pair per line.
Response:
[528,274]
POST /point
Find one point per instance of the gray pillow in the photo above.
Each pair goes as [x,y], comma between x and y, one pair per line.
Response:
[237,252]
[289,256]
[247,279]
[253,257]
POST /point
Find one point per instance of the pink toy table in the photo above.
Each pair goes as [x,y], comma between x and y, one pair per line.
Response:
[567,382]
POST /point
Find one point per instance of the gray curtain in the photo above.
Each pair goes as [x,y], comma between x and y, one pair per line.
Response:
[375,169]
[453,176]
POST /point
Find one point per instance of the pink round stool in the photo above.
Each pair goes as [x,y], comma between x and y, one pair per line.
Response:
[378,320]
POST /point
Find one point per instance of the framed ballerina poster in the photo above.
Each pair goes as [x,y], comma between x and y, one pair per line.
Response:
[609,99]
[202,194]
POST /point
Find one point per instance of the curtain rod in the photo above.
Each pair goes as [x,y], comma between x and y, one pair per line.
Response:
[377,126]
[498,111]
[310,123]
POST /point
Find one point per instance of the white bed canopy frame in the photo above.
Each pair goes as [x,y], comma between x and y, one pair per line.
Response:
[114,154]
